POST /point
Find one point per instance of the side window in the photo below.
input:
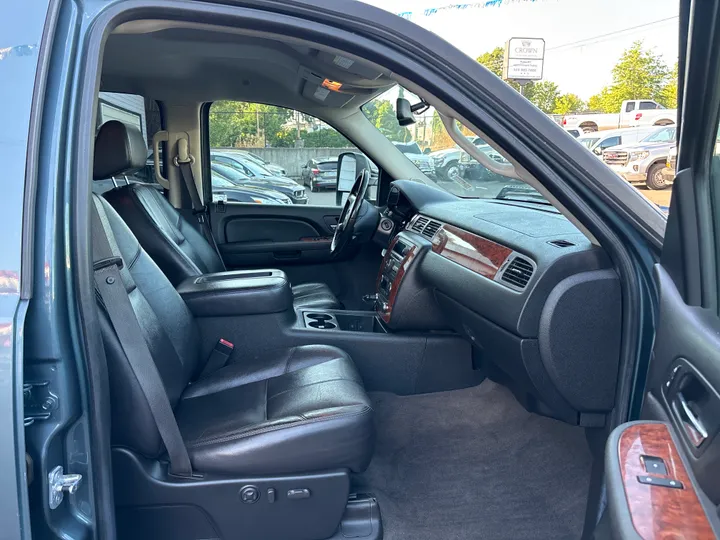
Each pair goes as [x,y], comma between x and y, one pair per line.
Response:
[137,112]
[290,157]
[630,107]
[647,105]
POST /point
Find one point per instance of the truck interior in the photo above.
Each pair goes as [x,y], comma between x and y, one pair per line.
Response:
[466,396]
[253,393]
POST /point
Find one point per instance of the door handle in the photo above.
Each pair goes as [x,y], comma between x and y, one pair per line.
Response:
[693,426]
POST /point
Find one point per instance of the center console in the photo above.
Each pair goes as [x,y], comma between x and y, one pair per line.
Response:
[344,321]
[398,258]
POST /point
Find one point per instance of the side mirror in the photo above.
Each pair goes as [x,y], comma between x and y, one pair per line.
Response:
[427,150]
[349,166]
[598,151]
[404,113]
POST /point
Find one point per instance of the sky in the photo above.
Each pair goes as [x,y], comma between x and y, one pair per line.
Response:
[583,38]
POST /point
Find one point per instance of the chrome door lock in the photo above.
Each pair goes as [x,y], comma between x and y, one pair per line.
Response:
[59,483]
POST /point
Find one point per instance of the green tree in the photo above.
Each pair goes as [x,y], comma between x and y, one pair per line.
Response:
[325,138]
[544,95]
[668,94]
[494,61]
[568,103]
[638,74]
[381,114]
[239,123]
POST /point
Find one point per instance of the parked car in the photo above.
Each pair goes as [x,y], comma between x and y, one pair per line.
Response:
[643,161]
[669,171]
[446,162]
[422,161]
[575,132]
[250,173]
[634,112]
[276,170]
[597,142]
[225,190]
[320,173]
[472,170]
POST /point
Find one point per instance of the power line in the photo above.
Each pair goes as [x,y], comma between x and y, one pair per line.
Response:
[595,39]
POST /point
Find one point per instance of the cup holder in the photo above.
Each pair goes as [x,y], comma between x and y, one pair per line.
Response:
[320,321]
[322,325]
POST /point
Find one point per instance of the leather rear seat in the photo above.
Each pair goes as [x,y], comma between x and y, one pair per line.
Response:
[286,411]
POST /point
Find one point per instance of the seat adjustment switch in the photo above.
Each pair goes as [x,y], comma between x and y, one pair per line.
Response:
[302,493]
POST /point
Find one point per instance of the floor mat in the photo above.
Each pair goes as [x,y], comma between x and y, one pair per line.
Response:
[473,463]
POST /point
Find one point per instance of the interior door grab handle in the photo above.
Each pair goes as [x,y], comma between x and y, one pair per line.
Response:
[700,432]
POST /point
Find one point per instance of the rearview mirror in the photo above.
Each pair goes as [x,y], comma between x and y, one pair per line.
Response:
[404,113]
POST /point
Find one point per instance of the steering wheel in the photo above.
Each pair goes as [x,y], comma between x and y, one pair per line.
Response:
[346,224]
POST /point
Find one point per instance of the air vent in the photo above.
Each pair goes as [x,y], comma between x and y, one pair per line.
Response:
[518,272]
[561,243]
[431,228]
[419,224]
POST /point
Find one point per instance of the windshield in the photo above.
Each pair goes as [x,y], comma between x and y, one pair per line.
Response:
[664,135]
[589,142]
[441,161]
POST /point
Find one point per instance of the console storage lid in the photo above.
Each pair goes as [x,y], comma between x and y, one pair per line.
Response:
[239,292]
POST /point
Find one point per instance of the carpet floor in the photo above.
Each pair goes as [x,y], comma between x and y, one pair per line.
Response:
[474,463]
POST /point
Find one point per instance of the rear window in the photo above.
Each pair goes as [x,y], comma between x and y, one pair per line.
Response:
[327,165]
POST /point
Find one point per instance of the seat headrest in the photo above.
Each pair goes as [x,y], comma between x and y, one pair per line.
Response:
[119,149]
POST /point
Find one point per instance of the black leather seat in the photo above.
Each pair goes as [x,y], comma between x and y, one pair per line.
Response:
[285,411]
[179,249]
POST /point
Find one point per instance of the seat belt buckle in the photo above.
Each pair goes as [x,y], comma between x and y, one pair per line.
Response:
[224,347]
[218,357]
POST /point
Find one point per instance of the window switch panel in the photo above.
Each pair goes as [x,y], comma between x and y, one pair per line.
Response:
[660,482]
[654,465]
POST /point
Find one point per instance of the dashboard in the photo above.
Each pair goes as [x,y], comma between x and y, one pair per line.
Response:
[540,303]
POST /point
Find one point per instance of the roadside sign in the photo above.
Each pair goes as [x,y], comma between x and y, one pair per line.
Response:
[524,59]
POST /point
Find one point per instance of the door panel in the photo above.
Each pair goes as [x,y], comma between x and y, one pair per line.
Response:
[251,235]
[295,239]
[681,407]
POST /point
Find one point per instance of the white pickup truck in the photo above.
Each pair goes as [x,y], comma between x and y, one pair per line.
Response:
[635,112]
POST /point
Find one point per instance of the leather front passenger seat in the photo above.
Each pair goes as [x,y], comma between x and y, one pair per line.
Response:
[179,249]
[273,412]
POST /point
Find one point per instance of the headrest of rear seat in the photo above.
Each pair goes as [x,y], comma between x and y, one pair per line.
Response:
[119,149]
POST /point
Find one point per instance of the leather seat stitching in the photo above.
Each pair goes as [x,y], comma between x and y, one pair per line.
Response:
[246,434]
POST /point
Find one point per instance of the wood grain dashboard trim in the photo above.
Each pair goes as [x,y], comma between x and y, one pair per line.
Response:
[386,312]
[469,250]
[659,512]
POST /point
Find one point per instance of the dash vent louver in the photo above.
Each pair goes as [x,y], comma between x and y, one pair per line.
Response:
[518,272]
[419,224]
[431,228]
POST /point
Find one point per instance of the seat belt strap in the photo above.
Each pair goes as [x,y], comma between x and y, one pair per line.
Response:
[218,357]
[110,287]
[184,161]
